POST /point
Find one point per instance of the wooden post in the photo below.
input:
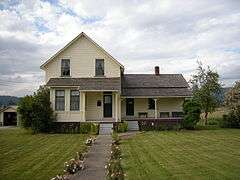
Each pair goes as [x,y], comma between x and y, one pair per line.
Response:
[82,104]
[155,112]
[116,106]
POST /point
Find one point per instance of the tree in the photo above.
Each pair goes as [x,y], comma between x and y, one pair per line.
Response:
[205,86]
[232,98]
[232,101]
[36,112]
[192,111]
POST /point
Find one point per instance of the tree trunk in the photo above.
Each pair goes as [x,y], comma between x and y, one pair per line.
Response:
[206,118]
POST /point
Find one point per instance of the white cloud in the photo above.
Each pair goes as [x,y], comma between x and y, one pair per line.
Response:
[140,34]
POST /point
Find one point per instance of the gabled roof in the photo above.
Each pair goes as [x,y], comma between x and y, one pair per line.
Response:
[74,40]
[166,85]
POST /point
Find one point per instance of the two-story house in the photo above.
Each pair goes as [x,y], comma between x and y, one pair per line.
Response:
[88,84]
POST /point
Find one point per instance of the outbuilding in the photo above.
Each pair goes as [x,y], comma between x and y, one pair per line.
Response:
[8,116]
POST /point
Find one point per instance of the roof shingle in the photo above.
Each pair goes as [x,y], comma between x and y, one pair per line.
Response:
[88,83]
[154,85]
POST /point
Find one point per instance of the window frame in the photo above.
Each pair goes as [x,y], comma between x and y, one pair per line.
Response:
[77,102]
[151,106]
[57,98]
[96,69]
[63,68]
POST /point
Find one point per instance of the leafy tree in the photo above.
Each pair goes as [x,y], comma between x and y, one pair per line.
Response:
[192,111]
[25,109]
[232,101]
[205,86]
[36,112]
[232,98]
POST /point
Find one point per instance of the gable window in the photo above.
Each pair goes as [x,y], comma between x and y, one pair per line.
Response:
[99,67]
[151,103]
[177,114]
[65,67]
[164,114]
[59,100]
[74,100]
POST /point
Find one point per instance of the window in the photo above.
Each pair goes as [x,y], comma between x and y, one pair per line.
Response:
[65,67]
[164,114]
[74,100]
[177,114]
[151,103]
[59,100]
[99,67]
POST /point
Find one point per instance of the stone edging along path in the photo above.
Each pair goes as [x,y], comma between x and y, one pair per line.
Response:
[95,160]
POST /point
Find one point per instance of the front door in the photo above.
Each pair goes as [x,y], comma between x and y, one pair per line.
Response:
[130,107]
[107,106]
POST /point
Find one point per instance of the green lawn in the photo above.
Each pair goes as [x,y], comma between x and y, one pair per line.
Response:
[203,154]
[26,156]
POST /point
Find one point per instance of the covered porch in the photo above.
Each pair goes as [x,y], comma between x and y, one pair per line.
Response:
[102,106]
[152,108]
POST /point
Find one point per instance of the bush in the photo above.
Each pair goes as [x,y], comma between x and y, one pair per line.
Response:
[232,120]
[122,127]
[36,112]
[192,111]
[88,128]
[155,125]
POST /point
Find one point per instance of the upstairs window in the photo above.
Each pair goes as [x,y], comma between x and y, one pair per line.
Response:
[65,67]
[74,100]
[151,103]
[99,67]
[59,100]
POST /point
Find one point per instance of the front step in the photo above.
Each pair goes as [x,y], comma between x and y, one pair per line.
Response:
[106,128]
[133,126]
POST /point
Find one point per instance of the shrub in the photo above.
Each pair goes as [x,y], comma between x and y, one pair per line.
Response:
[232,120]
[122,127]
[88,128]
[85,127]
[36,112]
[155,125]
[192,111]
[94,128]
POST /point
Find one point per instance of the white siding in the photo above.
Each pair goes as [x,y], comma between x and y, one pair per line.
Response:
[91,111]
[82,55]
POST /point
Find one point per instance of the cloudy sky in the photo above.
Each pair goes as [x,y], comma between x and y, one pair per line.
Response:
[140,34]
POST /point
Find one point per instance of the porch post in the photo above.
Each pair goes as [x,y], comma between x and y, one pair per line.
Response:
[82,105]
[116,106]
[155,112]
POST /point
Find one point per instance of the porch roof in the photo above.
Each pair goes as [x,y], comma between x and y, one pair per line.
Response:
[168,85]
[87,83]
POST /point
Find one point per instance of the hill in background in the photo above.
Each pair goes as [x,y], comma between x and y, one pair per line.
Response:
[8,100]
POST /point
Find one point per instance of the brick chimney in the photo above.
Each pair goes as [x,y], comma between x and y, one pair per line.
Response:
[157,70]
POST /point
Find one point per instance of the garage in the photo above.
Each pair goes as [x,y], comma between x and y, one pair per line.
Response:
[8,116]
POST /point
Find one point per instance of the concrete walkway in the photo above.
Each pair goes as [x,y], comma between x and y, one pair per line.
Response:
[96,159]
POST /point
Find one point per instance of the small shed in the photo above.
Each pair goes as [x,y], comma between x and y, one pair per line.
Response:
[8,116]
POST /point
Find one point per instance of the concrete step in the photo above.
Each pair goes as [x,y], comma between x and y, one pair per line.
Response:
[106,128]
[133,126]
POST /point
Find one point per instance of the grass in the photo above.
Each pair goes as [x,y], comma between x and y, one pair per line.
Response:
[203,154]
[26,156]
